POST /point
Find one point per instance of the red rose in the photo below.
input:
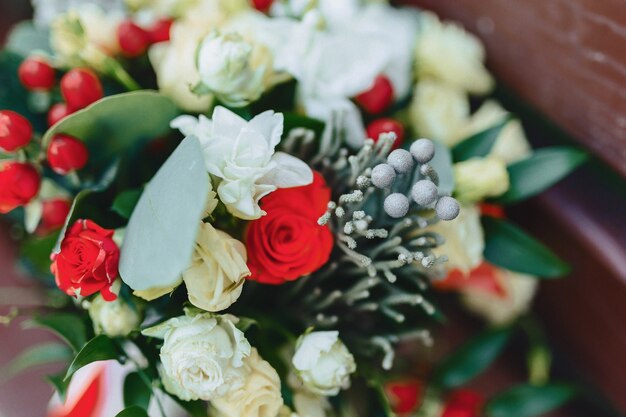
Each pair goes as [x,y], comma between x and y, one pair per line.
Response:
[287,242]
[463,403]
[19,183]
[87,262]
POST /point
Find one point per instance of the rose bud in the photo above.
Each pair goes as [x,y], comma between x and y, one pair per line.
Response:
[463,403]
[35,73]
[262,5]
[15,131]
[19,183]
[66,154]
[57,112]
[133,39]
[378,98]
[380,126]
[160,30]
[53,215]
[80,87]
[87,261]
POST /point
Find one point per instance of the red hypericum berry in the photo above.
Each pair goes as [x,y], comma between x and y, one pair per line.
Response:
[36,73]
[133,39]
[463,403]
[492,210]
[58,112]
[378,97]
[19,183]
[66,154]
[15,131]
[80,87]
[405,395]
[380,126]
[262,5]
[54,212]
[160,30]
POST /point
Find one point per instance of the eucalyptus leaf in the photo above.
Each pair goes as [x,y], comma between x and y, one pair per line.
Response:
[69,327]
[510,247]
[530,400]
[125,202]
[26,38]
[161,234]
[42,354]
[479,144]
[137,392]
[442,163]
[471,359]
[544,168]
[133,411]
[100,348]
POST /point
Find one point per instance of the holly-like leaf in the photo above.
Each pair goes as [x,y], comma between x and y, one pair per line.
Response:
[471,359]
[133,411]
[530,400]
[42,354]
[510,247]
[137,392]
[544,168]
[125,203]
[479,144]
[100,348]
[69,327]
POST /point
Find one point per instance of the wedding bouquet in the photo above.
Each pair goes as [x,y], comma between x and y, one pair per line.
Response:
[256,206]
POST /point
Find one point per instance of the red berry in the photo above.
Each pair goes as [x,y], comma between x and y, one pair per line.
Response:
[15,131]
[67,154]
[262,5]
[380,126]
[404,396]
[463,403]
[80,87]
[133,40]
[58,112]
[160,30]
[54,212]
[378,98]
[19,183]
[35,73]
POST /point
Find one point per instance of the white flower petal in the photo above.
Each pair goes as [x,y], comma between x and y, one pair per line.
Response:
[289,172]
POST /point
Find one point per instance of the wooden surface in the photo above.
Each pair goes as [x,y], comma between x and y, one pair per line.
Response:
[566,57]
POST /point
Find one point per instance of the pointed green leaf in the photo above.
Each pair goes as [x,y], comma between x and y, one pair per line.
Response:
[69,327]
[42,354]
[133,411]
[471,359]
[125,203]
[137,391]
[530,400]
[510,247]
[100,348]
[60,384]
[544,168]
[479,144]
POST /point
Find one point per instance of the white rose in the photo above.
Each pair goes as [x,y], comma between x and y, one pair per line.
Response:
[259,397]
[218,270]
[478,178]
[323,362]
[465,240]
[438,110]
[241,155]
[202,355]
[445,51]
[518,291]
[113,318]
[310,405]
[236,70]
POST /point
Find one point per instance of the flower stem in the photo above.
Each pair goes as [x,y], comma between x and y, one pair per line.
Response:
[124,78]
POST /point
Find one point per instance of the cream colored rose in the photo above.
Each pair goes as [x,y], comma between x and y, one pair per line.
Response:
[445,51]
[259,397]
[479,178]
[438,110]
[310,405]
[465,240]
[113,318]
[519,291]
[323,362]
[218,270]
[202,355]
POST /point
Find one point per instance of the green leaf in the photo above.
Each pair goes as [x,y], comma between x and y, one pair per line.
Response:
[479,144]
[544,168]
[35,253]
[194,408]
[69,327]
[510,247]
[125,202]
[161,234]
[530,400]
[471,359]
[100,348]
[60,384]
[133,411]
[42,354]
[116,124]
[137,391]
[295,120]
[26,38]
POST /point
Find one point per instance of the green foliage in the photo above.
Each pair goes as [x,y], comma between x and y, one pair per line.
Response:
[295,120]
[35,253]
[530,400]
[508,246]
[544,168]
[42,354]
[69,327]
[137,391]
[60,384]
[125,203]
[161,233]
[194,408]
[26,38]
[100,348]
[133,411]
[471,359]
[479,144]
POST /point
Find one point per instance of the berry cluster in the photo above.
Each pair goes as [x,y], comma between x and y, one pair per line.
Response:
[134,39]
